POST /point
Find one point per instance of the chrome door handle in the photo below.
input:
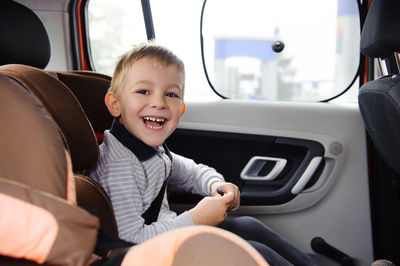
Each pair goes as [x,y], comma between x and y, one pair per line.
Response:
[263,168]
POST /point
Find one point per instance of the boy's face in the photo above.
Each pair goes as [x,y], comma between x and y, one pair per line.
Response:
[151,101]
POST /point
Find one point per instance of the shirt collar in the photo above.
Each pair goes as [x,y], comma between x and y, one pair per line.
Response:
[142,151]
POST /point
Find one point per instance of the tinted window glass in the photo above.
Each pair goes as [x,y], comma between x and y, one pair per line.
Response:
[320,56]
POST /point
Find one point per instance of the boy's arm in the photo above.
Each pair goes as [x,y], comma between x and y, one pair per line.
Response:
[211,210]
[193,177]
[127,202]
[201,179]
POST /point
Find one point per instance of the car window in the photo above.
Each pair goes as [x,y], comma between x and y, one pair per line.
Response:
[113,26]
[177,26]
[319,61]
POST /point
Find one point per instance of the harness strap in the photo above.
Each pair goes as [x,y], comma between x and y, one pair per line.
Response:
[151,214]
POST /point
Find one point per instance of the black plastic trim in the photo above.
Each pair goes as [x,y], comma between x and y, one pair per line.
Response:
[148,20]
[202,53]
[221,150]
[260,193]
[75,11]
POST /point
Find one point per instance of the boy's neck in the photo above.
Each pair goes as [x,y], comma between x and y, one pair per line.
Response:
[142,151]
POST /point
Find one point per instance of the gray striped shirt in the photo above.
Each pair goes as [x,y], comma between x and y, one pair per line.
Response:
[132,185]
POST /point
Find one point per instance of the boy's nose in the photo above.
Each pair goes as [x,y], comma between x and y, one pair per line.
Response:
[157,101]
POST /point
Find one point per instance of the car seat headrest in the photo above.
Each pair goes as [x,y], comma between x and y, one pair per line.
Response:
[23,38]
[379,37]
[90,88]
[65,110]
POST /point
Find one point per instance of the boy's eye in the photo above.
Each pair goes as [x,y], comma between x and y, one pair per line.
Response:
[171,94]
[143,92]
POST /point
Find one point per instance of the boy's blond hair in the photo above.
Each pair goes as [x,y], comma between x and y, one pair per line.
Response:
[148,49]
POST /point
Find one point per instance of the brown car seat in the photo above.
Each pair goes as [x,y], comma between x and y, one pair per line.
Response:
[24,41]
[90,89]
[77,133]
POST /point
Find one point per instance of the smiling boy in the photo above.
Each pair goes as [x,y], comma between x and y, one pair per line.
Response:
[150,103]
[146,100]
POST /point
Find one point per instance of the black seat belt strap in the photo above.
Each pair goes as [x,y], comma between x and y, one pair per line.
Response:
[151,214]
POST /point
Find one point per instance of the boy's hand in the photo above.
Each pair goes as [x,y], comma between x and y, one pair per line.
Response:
[227,188]
[211,210]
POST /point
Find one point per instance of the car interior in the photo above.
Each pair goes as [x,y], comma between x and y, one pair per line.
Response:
[325,176]
[40,99]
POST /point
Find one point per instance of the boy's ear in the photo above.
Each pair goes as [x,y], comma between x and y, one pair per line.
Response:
[183,108]
[112,104]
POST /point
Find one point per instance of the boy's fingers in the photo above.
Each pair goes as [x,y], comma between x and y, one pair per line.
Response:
[235,203]
[234,208]
[229,197]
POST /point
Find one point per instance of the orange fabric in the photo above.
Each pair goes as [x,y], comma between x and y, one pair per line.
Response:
[26,231]
[71,186]
[161,250]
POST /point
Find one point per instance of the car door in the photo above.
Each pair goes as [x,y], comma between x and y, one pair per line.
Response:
[301,166]
[323,188]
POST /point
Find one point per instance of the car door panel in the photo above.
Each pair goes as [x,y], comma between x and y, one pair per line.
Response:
[333,203]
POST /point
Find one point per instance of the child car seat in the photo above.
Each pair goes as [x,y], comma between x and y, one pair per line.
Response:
[39,219]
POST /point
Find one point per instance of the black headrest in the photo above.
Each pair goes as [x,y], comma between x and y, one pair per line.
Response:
[380,35]
[23,38]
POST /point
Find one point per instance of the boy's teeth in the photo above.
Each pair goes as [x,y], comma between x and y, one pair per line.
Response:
[154,119]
